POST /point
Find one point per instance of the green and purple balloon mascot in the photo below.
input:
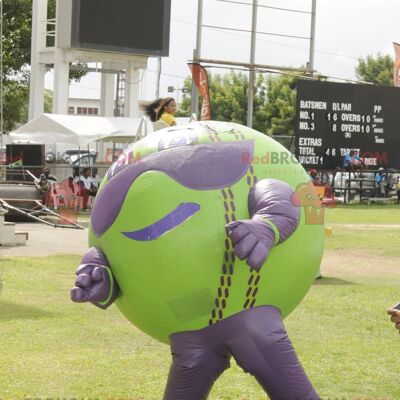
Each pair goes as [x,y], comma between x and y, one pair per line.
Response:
[198,235]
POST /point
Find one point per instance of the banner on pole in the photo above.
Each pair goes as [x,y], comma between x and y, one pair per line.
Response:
[396,72]
[200,78]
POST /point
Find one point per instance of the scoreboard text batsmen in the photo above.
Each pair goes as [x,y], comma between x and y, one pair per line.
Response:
[334,118]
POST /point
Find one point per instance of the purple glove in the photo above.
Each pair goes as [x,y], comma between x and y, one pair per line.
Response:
[253,239]
[95,283]
[273,219]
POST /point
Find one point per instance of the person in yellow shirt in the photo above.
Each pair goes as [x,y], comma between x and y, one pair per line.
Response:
[167,111]
[152,109]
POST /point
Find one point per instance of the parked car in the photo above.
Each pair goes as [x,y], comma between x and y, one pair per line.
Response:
[84,158]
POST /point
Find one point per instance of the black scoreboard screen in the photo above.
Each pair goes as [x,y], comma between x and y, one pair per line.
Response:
[334,118]
[139,27]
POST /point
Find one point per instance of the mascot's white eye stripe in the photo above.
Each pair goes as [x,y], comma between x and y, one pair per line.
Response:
[173,219]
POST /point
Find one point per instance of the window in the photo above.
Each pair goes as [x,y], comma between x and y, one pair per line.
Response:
[93,111]
[85,111]
[82,111]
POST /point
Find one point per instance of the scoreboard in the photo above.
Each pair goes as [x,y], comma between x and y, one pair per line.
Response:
[334,118]
[139,27]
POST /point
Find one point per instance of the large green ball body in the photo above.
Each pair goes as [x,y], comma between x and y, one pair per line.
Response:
[189,278]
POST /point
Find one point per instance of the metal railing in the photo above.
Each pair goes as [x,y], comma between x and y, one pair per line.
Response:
[355,186]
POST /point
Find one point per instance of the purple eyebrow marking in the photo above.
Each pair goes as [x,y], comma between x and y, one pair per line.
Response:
[176,217]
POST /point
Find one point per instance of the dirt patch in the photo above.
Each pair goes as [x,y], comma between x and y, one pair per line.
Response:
[365,226]
[357,262]
[45,240]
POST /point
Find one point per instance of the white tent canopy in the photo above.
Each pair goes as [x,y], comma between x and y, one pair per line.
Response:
[77,130]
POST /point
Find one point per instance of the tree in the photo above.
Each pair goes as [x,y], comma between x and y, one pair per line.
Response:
[228,96]
[378,70]
[274,101]
[16,45]
[17,17]
[280,109]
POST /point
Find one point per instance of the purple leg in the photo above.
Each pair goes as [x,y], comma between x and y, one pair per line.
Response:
[256,338]
[195,367]
[264,350]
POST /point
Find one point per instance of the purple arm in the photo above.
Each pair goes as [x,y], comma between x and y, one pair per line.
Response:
[95,281]
[273,219]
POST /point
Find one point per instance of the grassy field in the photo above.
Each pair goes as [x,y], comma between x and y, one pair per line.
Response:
[51,348]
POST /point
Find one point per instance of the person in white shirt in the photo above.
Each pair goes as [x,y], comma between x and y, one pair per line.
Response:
[74,178]
[96,180]
[87,187]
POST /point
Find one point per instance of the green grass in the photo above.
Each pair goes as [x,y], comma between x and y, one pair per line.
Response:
[345,339]
[382,241]
[363,214]
[52,348]
[357,227]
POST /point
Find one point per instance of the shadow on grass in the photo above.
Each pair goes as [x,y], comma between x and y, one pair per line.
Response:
[12,311]
[328,280]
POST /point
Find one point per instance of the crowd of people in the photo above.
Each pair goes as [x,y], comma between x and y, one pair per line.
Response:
[83,183]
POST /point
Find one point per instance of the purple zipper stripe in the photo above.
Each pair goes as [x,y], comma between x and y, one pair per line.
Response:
[176,217]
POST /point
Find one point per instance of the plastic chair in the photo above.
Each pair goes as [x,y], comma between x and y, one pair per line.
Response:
[73,201]
[159,125]
[56,196]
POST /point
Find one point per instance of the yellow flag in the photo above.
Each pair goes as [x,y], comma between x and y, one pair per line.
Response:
[16,164]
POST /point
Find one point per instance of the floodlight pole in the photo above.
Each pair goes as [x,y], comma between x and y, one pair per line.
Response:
[196,55]
[252,61]
[310,65]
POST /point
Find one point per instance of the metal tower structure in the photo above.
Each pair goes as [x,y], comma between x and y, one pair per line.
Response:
[60,58]
[251,65]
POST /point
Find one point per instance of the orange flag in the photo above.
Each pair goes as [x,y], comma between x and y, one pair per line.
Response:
[200,78]
[396,73]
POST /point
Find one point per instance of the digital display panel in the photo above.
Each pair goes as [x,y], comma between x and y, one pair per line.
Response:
[128,26]
[334,118]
